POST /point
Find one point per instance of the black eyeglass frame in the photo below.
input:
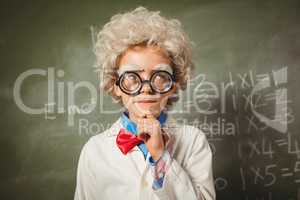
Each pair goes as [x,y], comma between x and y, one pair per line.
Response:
[138,91]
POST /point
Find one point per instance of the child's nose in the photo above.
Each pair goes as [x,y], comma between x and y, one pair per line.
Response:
[146,88]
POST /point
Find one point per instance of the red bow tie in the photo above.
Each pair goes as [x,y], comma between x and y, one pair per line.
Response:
[126,141]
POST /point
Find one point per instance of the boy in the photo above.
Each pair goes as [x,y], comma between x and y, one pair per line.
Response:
[145,154]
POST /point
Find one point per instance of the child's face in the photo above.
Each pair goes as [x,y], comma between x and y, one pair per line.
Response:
[145,61]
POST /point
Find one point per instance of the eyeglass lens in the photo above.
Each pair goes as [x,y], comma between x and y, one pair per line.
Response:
[160,82]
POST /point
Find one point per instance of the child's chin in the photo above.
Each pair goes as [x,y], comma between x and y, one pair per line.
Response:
[147,111]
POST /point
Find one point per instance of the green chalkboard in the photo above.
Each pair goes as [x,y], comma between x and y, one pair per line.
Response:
[244,95]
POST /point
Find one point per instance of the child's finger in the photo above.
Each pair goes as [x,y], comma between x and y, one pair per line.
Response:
[143,136]
[150,116]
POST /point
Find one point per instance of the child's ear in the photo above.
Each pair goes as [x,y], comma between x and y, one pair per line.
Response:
[174,88]
[117,90]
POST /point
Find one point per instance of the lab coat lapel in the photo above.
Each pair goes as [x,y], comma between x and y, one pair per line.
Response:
[136,157]
[133,161]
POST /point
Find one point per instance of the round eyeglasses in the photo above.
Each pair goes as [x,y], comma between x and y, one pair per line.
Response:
[131,83]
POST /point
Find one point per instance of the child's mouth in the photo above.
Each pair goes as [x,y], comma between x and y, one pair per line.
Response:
[146,102]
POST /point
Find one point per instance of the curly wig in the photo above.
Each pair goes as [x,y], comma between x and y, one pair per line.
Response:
[141,27]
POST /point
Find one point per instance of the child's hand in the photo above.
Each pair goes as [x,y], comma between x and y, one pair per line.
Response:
[150,132]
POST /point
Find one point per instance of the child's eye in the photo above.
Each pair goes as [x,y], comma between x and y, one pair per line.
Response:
[130,81]
[132,78]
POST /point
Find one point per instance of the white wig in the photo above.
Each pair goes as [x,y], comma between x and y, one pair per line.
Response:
[141,26]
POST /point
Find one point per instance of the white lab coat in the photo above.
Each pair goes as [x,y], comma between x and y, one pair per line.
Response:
[105,173]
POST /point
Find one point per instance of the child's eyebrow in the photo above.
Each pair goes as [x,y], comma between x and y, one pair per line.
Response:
[137,68]
[164,67]
[129,67]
